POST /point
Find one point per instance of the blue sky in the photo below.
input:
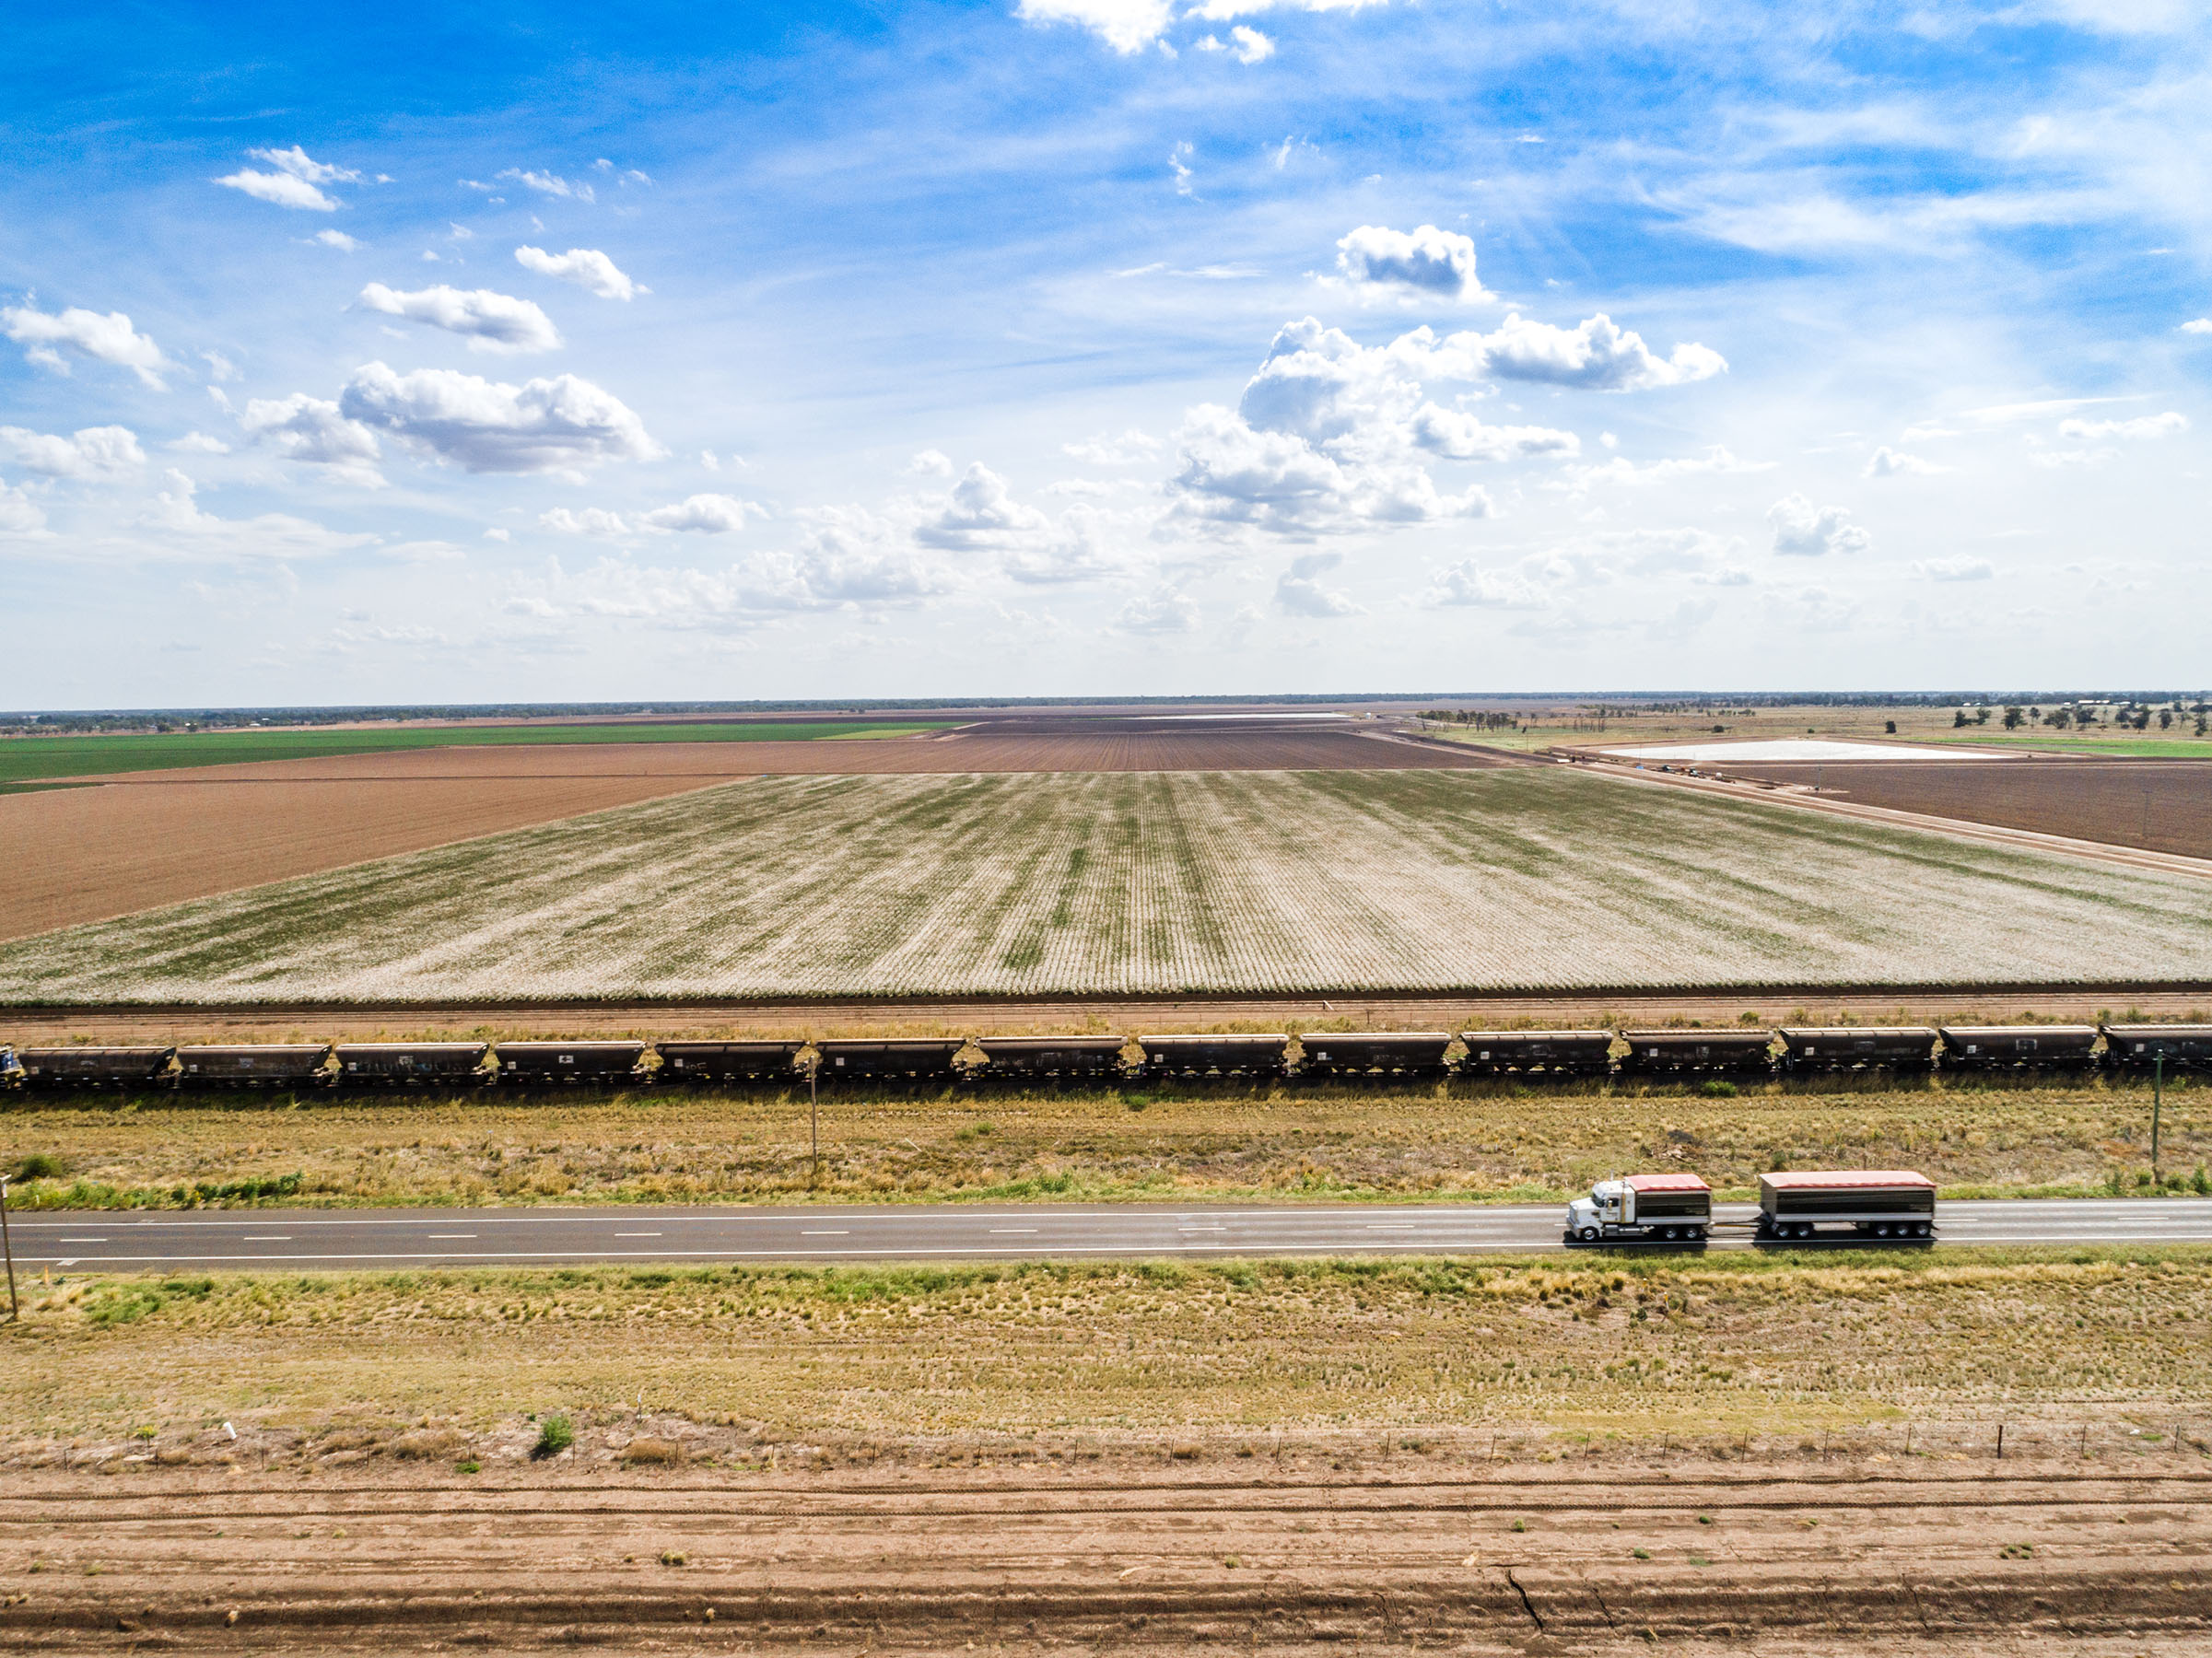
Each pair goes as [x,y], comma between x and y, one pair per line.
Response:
[1101,346]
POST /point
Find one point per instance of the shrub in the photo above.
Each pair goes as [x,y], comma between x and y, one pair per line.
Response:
[42,1165]
[1717,1087]
[653,1451]
[469,1465]
[554,1436]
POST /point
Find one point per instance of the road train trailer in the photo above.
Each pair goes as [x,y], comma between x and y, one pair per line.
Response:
[1794,1205]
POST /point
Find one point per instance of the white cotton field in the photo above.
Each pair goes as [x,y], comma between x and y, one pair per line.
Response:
[1148,881]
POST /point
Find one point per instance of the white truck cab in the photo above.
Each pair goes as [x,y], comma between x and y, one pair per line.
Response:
[1665,1209]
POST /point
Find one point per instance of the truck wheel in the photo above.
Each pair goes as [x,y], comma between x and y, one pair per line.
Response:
[1589,1235]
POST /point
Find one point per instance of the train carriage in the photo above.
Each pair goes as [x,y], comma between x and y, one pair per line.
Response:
[727,1062]
[1858,1048]
[137,1066]
[1538,1052]
[567,1064]
[921,1059]
[410,1064]
[260,1065]
[2021,1047]
[1215,1054]
[2141,1046]
[1698,1053]
[1374,1053]
[1051,1059]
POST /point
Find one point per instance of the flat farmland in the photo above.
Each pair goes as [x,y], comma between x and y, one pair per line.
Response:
[2161,805]
[1148,882]
[135,841]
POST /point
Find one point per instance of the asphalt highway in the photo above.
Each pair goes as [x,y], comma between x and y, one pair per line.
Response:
[337,1240]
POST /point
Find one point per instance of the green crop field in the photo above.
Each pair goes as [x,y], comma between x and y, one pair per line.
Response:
[1148,881]
[29,759]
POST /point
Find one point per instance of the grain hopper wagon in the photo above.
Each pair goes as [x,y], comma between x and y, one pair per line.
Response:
[1858,1048]
[1374,1053]
[1215,1054]
[93,1067]
[410,1064]
[2020,1047]
[1543,1053]
[749,1061]
[264,1065]
[1050,1059]
[567,1064]
[1698,1053]
[923,1059]
[2140,1046]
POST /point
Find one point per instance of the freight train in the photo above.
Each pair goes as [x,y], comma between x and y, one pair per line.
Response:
[1375,1057]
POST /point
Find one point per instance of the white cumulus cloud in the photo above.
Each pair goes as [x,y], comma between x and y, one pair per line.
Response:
[90,452]
[269,535]
[1127,26]
[982,513]
[1129,450]
[109,339]
[548,184]
[1299,591]
[1805,531]
[1459,435]
[1887,463]
[1955,569]
[1163,611]
[1468,583]
[1247,45]
[295,183]
[708,514]
[587,267]
[311,431]
[1595,355]
[19,515]
[2172,423]
[1431,263]
[492,321]
[559,425]
[338,240]
[2197,325]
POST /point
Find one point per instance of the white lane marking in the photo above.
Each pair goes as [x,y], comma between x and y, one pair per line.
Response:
[441,1237]
[267,1238]
[84,1240]
[996,1232]
[826,1234]
[637,1234]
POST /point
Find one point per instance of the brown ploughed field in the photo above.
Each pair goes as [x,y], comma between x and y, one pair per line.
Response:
[1354,1547]
[139,840]
[2159,805]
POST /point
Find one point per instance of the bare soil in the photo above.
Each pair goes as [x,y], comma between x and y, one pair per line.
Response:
[1279,1553]
[2159,805]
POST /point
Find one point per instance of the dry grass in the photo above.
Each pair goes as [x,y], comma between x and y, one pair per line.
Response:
[1256,880]
[1464,1141]
[1639,1348]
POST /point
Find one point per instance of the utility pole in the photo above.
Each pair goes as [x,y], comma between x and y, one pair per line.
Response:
[814,1117]
[2158,1091]
[8,1248]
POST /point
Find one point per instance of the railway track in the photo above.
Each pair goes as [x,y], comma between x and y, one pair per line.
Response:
[860,1016]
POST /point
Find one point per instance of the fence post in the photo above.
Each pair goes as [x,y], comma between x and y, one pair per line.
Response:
[2000,1442]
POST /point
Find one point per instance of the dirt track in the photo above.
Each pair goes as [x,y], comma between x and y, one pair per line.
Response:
[1224,1548]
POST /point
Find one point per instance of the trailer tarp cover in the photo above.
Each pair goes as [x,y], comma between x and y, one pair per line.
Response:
[1665,1182]
[1831,1179]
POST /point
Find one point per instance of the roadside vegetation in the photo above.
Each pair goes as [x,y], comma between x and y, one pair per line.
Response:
[1623,1348]
[1461,1141]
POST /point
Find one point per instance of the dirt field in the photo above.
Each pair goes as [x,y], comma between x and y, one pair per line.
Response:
[1521,877]
[2161,805]
[1463,1142]
[1503,1457]
[146,839]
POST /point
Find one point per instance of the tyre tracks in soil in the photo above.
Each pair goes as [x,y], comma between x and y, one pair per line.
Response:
[1274,1563]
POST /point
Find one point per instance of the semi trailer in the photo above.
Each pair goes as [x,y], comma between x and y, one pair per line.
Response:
[1881,1203]
[1643,1209]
